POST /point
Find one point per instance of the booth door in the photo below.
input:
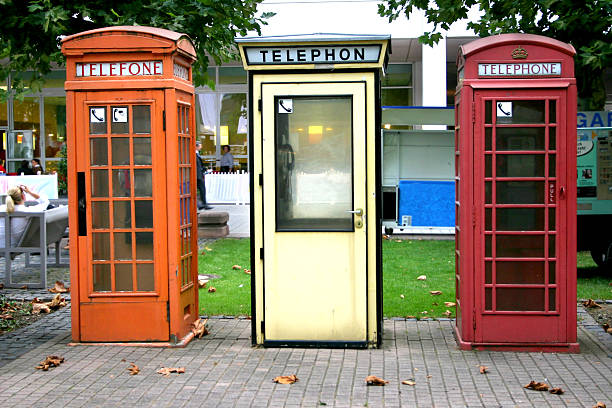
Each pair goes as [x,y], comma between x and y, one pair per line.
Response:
[123,283]
[520,201]
[314,205]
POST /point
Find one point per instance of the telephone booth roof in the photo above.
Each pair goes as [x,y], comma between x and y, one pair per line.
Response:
[113,39]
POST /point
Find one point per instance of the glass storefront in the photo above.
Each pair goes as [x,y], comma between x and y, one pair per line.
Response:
[55,130]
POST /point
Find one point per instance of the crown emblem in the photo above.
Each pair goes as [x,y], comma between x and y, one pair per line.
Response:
[519,53]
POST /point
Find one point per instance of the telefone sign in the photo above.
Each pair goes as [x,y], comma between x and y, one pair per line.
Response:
[117,69]
[520,69]
[336,54]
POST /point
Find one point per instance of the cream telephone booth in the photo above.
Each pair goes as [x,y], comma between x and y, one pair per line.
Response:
[314,151]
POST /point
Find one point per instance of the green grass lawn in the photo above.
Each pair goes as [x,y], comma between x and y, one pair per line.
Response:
[403,262]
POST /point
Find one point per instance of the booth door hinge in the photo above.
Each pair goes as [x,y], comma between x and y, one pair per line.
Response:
[164,120]
[168,312]
[261,179]
[473,114]
[259,105]
[261,254]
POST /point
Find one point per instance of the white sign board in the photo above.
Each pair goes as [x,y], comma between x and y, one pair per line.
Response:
[304,54]
[116,69]
[504,109]
[520,69]
[285,106]
[120,115]
[96,115]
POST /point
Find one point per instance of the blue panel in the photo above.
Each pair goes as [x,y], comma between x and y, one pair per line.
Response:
[430,203]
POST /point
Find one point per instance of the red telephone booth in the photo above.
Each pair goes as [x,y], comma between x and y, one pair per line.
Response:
[516,194]
[131,173]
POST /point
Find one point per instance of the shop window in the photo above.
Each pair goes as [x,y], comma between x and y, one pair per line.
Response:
[3,115]
[233,127]
[397,97]
[55,125]
[397,89]
[27,117]
[232,75]
[206,122]
[398,75]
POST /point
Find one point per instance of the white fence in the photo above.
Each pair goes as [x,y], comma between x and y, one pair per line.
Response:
[227,188]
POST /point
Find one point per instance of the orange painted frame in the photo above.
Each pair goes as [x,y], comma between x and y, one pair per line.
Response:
[132,44]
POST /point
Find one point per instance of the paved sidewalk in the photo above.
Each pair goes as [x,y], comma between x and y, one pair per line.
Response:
[223,370]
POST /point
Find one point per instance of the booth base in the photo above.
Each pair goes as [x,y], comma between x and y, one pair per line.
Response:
[182,343]
[530,347]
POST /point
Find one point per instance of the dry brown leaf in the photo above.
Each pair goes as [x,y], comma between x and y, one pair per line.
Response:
[591,304]
[6,316]
[538,386]
[202,283]
[483,369]
[40,308]
[605,326]
[59,288]
[374,380]
[609,330]
[50,361]
[448,313]
[599,405]
[133,369]
[236,267]
[212,289]
[57,302]
[410,317]
[247,271]
[1,285]
[409,382]
[435,292]
[165,371]
[422,277]
[398,240]
[557,391]
[24,287]
[208,249]
[402,296]
[385,236]
[285,379]
[450,304]
[198,328]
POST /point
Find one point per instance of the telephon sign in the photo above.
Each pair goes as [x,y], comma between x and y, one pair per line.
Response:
[520,69]
[339,54]
[117,69]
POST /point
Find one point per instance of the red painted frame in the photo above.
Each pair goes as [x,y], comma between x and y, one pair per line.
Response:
[477,327]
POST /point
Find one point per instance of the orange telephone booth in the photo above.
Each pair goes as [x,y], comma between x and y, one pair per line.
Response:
[516,194]
[131,171]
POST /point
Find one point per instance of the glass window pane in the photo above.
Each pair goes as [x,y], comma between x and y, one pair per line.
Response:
[144,246]
[206,122]
[144,213]
[398,75]
[55,124]
[121,183]
[519,272]
[145,275]
[519,246]
[142,118]
[99,183]
[552,224]
[488,219]
[520,219]
[488,138]
[142,151]
[520,299]
[123,245]
[397,97]
[99,214]
[143,183]
[552,165]
[121,151]
[552,138]
[314,165]
[21,145]
[488,272]
[488,166]
[232,75]
[488,117]
[119,120]
[552,111]
[488,299]
[97,120]
[524,112]
[552,299]
[101,278]
[551,246]
[123,278]
[488,240]
[488,192]
[552,272]
[99,152]
[519,138]
[520,192]
[519,165]
[122,214]
[3,114]
[100,243]
[233,130]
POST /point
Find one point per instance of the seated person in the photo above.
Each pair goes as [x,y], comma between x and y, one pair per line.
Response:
[37,167]
[15,201]
[24,168]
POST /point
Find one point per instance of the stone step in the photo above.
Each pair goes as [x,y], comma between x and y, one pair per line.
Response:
[213,217]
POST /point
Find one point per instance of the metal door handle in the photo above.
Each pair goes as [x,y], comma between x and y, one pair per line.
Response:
[358,211]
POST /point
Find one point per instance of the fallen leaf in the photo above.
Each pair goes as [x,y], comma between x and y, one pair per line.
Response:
[435,292]
[538,386]
[557,391]
[429,376]
[385,237]
[123,360]
[285,379]
[609,330]
[208,249]
[247,271]
[605,326]
[133,369]
[59,288]
[50,361]
[202,283]
[409,382]
[398,240]
[236,267]
[212,289]
[434,304]
[6,316]
[165,371]
[24,287]
[374,380]
[450,304]
[402,296]
[483,369]
[422,277]
[448,313]
[410,317]
[591,304]
[599,405]
[198,328]
[40,308]
[57,302]
[424,312]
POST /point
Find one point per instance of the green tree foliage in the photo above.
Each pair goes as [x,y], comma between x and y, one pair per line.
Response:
[585,24]
[31,30]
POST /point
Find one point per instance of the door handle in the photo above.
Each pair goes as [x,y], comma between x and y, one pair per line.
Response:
[358,211]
